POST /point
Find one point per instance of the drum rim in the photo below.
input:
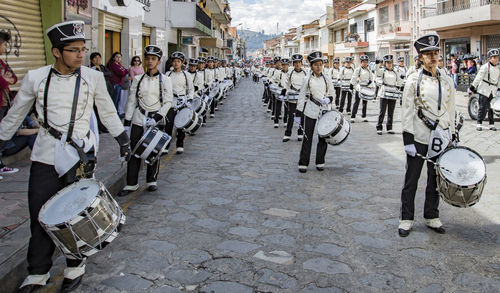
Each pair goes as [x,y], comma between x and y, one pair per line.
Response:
[461,186]
[192,114]
[345,138]
[146,133]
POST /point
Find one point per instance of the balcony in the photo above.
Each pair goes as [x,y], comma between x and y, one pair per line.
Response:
[356,44]
[189,17]
[466,13]
[219,10]
[394,32]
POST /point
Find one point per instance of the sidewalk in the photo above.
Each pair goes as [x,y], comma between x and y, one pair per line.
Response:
[14,216]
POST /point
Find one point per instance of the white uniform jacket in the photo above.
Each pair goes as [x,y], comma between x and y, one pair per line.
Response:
[209,77]
[317,88]
[487,80]
[294,83]
[334,75]
[345,75]
[413,127]
[220,74]
[59,103]
[147,96]
[182,85]
[412,70]
[362,77]
[390,79]
[197,79]
[401,70]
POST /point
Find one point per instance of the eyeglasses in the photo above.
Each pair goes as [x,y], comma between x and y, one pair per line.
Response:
[78,51]
[137,60]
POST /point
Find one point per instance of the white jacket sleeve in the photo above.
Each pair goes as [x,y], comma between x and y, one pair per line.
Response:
[168,96]
[131,100]
[408,110]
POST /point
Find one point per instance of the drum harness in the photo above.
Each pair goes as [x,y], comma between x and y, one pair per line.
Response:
[176,95]
[394,86]
[87,160]
[141,109]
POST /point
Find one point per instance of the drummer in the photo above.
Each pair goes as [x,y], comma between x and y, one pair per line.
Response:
[293,83]
[335,74]
[388,85]
[196,77]
[64,85]
[362,78]
[182,88]
[210,81]
[149,100]
[285,68]
[423,106]
[345,76]
[316,94]
[203,77]
[486,85]
[275,83]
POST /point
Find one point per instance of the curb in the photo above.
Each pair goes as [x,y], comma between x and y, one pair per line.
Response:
[13,270]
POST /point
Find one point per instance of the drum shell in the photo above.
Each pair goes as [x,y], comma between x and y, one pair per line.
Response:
[143,150]
[193,123]
[339,133]
[459,195]
[367,94]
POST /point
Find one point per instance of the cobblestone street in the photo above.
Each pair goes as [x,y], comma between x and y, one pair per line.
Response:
[233,214]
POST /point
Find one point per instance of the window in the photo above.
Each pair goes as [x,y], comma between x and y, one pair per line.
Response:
[369,25]
[405,15]
[396,12]
[383,16]
[337,36]
[353,28]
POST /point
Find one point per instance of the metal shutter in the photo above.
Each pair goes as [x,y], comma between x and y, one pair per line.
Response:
[146,31]
[113,22]
[27,19]
[492,42]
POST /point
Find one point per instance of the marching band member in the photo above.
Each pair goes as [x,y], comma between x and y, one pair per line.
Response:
[285,62]
[63,94]
[486,85]
[414,68]
[296,79]
[220,76]
[388,85]
[316,93]
[196,77]
[428,103]
[326,68]
[269,96]
[400,69]
[335,74]
[362,77]
[441,66]
[203,86]
[378,70]
[211,82]
[182,88]
[345,77]
[149,100]
[275,85]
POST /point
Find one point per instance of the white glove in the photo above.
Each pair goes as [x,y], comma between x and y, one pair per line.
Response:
[150,122]
[297,119]
[127,129]
[282,98]
[411,150]
[454,143]
[325,101]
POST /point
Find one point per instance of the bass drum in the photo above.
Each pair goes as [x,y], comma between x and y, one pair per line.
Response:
[461,176]
[333,127]
[187,120]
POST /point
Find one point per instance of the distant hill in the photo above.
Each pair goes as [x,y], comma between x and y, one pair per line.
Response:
[254,39]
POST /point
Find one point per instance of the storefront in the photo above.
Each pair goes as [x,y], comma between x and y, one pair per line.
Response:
[457,46]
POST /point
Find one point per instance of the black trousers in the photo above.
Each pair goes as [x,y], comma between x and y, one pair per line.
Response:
[413,169]
[277,109]
[305,151]
[337,96]
[292,107]
[389,105]
[44,182]
[212,107]
[134,164]
[344,95]
[285,112]
[356,106]
[179,142]
[485,108]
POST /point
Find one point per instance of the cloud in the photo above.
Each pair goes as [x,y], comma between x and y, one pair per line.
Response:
[260,15]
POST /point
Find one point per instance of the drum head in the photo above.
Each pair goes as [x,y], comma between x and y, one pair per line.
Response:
[195,104]
[329,122]
[69,202]
[367,91]
[183,118]
[462,166]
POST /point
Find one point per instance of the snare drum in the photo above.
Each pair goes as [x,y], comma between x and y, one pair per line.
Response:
[151,145]
[367,93]
[461,176]
[187,120]
[391,93]
[345,85]
[333,127]
[82,218]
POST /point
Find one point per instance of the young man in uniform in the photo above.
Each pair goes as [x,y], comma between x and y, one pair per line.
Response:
[285,68]
[183,90]
[316,94]
[423,105]
[63,94]
[388,86]
[486,84]
[210,82]
[335,74]
[345,76]
[361,78]
[150,98]
[275,84]
[293,83]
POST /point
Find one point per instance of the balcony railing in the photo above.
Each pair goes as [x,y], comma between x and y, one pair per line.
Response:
[203,18]
[389,28]
[454,6]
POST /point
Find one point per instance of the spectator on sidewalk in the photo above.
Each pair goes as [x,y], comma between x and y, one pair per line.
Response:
[115,65]
[135,67]
[25,137]
[454,70]
[96,64]
[7,77]
[471,66]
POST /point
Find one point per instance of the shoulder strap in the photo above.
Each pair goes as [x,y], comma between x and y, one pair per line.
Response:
[138,86]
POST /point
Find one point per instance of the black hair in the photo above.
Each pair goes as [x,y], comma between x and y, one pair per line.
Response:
[133,58]
[92,56]
[4,36]
[112,58]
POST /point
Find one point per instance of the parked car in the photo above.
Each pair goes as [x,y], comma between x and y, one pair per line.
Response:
[473,105]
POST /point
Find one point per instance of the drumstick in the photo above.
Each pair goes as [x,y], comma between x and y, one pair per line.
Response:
[435,164]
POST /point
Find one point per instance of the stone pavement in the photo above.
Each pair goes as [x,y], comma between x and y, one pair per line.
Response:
[233,214]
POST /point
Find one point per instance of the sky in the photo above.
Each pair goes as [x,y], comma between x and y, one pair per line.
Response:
[258,15]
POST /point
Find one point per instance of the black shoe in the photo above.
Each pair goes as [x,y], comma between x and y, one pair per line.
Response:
[152,188]
[69,285]
[320,168]
[403,232]
[439,230]
[29,288]
[302,170]
[390,132]
[124,193]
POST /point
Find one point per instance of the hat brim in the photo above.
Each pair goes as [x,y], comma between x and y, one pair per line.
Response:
[315,60]
[432,48]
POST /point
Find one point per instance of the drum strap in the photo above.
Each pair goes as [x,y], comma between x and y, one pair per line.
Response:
[185,77]
[139,85]
[428,122]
